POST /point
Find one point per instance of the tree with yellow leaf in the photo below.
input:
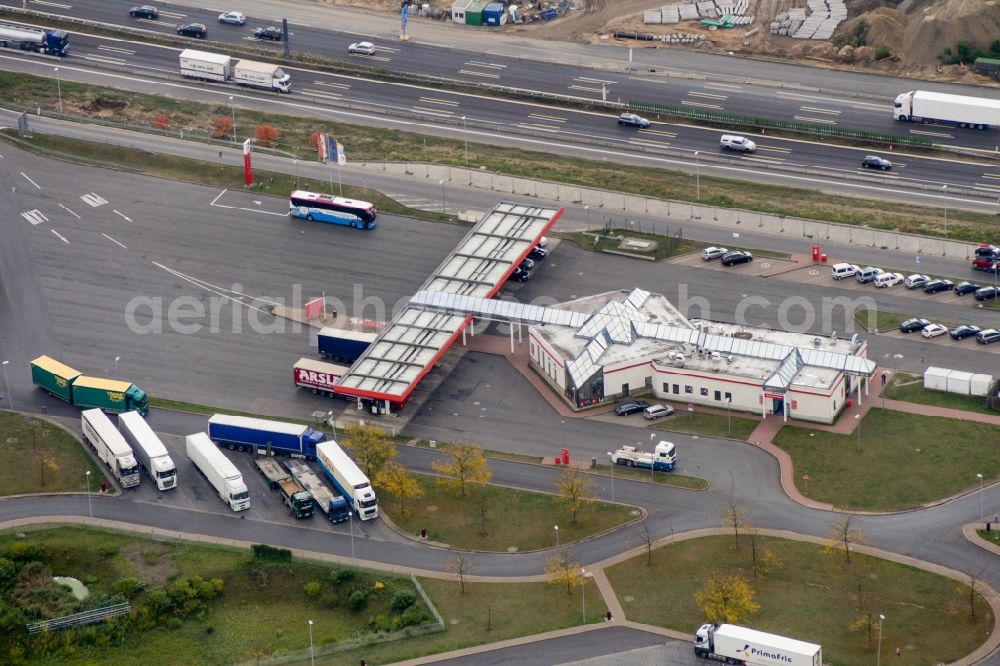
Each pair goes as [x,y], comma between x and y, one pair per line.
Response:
[562,570]
[575,490]
[398,481]
[466,463]
[727,598]
[371,447]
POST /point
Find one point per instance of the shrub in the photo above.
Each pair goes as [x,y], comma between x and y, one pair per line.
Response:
[330,600]
[222,127]
[161,121]
[262,551]
[107,550]
[402,600]
[882,52]
[344,575]
[357,600]
[964,53]
[127,587]
[150,556]
[311,588]
[267,135]
[8,570]
[413,616]
[26,551]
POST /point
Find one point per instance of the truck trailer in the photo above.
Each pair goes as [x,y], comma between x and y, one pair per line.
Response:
[662,459]
[959,110]
[60,380]
[247,433]
[343,345]
[317,376]
[740,645]
[348,479]
[110,446]
[221,68]
[219,470]
[333,505]
[298,500]
[37,40]
[148,449]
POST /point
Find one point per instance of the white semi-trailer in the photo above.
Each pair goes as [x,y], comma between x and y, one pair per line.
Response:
[348,479]
[148,448]
[933,107]
[219,470]
[110,446]
[740,645]
[224,69]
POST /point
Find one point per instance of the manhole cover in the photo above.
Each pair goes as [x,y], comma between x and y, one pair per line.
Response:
[813,271]
[765,265]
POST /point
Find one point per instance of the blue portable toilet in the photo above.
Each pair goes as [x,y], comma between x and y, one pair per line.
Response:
[494,14]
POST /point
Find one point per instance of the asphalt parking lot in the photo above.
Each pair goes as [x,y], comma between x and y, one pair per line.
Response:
[758,266]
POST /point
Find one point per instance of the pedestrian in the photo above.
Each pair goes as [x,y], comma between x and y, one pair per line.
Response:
[884,374]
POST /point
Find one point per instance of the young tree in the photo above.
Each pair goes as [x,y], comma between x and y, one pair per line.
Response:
[726,598]
[974,579]
[398,481]
[575,490]
[47,461]
[736,516]
[647,540]
[461,565]
[843,534]
[222,127]
[562,570]
[466,464]
[371,446]
[864,622]
[267,135]
[482,499]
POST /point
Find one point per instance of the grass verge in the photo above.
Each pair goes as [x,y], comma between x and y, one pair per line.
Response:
[663,478]
[910,388]
[899,460]
[993,536]
[40,457]
[710,425]
[810,595]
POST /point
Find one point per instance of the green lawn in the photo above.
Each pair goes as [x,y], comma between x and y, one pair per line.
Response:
[40,457]
[811,596]
[710,425]
[993,536]
[904,460]
[515,519]
[910,388]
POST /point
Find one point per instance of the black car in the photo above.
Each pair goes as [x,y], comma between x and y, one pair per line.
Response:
[520,275]
[736,257]
[913,325]
[538,253]
[987,293]
[963,331]
[963,288]
[270,32]
[631,407]
[145,11]
[874,162]
[193,30]
[934,286]
[987,336]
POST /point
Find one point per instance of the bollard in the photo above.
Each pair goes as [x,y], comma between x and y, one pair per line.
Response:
[423,533]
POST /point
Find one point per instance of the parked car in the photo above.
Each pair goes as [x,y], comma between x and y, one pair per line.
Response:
[913,325]
[233,18]
[630,407]
[710,253]
[538,253]
[632,120]
[543,241]
[841,271]
[933,330]
[736,257]
[145,11]
[654,412]
[740,144]
[269,32]
[867,274]
[987,293]
[964,331]
[875,162]
[520,275]
[963,288]
[915,280]
[987,336]
[361,48]
[934,286]
[888,279]
[193,30]
[526,264]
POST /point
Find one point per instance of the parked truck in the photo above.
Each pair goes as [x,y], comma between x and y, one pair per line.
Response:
[247,433]
[219,470]
[343,345]
[38,40]
[348,479]
[933,107]
[60,380]
[298,500]
[740,645]
[662,459]
[317,376]
[221,68]
[333,505]
[110,446]
[148,449]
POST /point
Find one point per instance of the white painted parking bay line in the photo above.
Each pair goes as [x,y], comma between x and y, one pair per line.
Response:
[122,215]
[31,181]
[708,95]
[815,110]
[684,102]
[70,212]
[482,74]
[61,237]
[114,241]
[825,121]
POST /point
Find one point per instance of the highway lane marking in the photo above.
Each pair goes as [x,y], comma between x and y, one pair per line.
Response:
[369,57]
[991,175]
[116,49]
[31,181]
[648,142]
[262,212]
[34,216]
[685,102]
[489,65]
[121,215]
[70,212]
[485,75]
[672,135]
[585,79]
[585,88]
[434,100]
[93,199]
[941,134]
[60,236]
[102,58]
[437,112]
[815,110]
[865,106]
[58,5]
[806,119]
[764,159]
[723,86]
[883,174]
[544,117]
[870,106]
[322,94]
[992,189]
[694,93]
[774,149]
[114,241]
[165,24]
[344,86]
[535,126]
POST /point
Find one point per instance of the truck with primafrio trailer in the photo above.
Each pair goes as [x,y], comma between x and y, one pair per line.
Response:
[921,106]
[333,505]
[740,645]
[221,68]
[110,446]
[343,345]
[348,479]
[263,436]
[148,449]
[220,472]
[317,376]
[662,459]
[59,380]
[297,498]
[36,40]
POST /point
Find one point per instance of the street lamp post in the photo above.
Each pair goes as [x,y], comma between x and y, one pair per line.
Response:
[858,417]
[117,358]
[981,515]
[556,528]
[312,657]
[587,210]
[945,188]
[612,477]
[729,414]
[697,176]
[232,106]
[586,575]
[90,504]
[443,206]
[10,398]
[350,518]
[878,657]
[295,163]
[465,135]
[59,89]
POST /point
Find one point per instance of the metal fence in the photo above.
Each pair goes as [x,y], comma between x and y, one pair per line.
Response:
[80,619]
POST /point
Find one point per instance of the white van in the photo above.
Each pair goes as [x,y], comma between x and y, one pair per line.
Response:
[740,144]
[888,279]
[867,274]
[841,271]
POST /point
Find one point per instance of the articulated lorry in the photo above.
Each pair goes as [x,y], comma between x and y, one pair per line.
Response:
[662,459]
[224,69]
[739,645]
[333,505]
[317,376]
[298,500]
[38,40]
[264,437]
[348,479]
[343,345]
[110,446]
[219,471]
[148,448]
[960,110]
[65,383]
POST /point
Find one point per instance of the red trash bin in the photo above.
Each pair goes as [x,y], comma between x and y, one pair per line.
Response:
[565,457]
[815,252]
[822,258]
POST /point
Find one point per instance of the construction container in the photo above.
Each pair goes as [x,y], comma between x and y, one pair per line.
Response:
[458,10]
[936,379]
[494,14]
[474,12]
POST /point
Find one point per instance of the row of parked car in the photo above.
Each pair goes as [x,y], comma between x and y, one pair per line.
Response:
[726,257]
[200,30]
[522,272]
[930,330]
[649,412]
[927,284]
